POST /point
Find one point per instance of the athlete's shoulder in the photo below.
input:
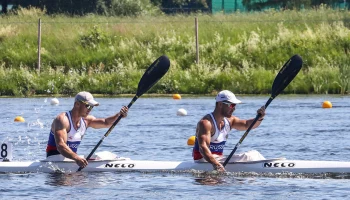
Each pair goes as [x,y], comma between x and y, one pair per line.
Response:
[206,117]
[62,116]
[205,123]
[60,122]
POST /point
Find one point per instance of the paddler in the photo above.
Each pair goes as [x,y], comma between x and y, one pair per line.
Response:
[213,129]
[68,128]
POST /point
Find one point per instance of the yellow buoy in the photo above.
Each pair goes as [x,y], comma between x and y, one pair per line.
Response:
[191,140]
[327,104]
[176,96]
[19,119]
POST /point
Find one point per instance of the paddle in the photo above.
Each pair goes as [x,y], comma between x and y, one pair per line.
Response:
[289,70]
[152,75]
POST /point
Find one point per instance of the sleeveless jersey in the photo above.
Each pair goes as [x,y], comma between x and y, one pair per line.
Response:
[217,141]
[73,137]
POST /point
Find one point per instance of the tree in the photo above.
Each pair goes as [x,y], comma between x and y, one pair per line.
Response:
[4,4]
[173,6]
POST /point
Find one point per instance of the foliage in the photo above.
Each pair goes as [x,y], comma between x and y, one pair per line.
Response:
[126,8]
[85,7]
[241,52]
[94,39]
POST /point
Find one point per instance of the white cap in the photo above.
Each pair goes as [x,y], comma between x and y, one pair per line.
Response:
[228,96]
[86,97]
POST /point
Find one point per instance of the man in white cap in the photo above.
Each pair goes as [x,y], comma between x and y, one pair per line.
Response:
[68,128]
[212,130]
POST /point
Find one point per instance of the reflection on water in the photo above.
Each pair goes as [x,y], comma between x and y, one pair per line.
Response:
[215,178]
[210,180]
[85,179]
[57,179]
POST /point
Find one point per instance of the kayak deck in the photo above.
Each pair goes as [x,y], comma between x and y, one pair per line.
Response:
[263,166]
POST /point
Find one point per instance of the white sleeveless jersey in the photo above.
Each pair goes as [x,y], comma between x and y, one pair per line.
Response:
[218,140]
[74,136]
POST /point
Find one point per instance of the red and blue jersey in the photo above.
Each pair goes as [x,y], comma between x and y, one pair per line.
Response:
[217,141]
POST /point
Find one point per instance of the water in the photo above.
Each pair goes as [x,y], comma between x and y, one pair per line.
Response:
[295,127]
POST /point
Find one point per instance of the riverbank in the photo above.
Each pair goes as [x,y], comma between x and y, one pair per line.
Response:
[241,52]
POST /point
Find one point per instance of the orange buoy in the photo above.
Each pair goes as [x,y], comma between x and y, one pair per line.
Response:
[19,119]
[176,96]
[327,104]
[191,140]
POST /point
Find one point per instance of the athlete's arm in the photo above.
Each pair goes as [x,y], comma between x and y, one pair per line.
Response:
[242,124]
[105,122]
[203,136]
[59,127]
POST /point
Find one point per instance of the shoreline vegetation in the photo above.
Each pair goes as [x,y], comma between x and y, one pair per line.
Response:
[241,52]
[170,96]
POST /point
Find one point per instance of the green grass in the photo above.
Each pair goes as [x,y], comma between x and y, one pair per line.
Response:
[241,52]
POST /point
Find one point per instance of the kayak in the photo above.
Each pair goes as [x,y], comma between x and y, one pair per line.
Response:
[120,164]
[106,161]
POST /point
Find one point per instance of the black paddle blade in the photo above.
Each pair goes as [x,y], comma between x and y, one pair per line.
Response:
[152,75]
[289,70]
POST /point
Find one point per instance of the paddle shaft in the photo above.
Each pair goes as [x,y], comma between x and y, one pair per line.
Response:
[109,131]
[152,75]
[246,133]
[288,72]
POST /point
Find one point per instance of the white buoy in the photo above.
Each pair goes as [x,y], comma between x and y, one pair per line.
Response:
[181,112]
[54,101]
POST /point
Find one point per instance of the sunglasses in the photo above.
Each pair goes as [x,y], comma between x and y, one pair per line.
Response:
[89,107]
[231,105]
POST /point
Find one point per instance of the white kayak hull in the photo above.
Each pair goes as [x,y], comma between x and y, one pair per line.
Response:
[263,166]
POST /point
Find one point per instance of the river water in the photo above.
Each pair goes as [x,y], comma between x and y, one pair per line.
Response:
[295,127]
